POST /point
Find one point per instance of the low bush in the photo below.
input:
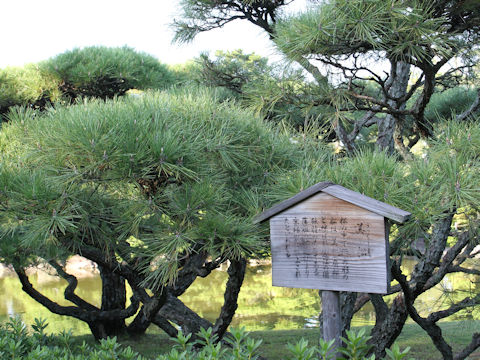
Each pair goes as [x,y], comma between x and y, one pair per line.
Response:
[16,343]
[27,85]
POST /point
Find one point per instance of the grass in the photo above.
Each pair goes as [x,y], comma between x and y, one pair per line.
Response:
[457,333]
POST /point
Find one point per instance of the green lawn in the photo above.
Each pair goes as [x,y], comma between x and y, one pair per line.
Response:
[458,334]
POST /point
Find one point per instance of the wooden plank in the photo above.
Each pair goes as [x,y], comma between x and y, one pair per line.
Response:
[327,243]
[387,252]
[378,207]
[312,190]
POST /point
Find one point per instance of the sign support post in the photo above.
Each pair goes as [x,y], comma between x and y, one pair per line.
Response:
[332,319]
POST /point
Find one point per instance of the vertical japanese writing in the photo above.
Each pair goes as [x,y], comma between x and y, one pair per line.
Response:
[321,246]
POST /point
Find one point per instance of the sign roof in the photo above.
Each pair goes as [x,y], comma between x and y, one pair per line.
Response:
[390,212]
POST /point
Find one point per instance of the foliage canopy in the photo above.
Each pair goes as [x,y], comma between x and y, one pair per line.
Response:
[104,72]
[374,64]
[165,183]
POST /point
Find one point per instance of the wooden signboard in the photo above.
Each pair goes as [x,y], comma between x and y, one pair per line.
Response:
[328,237]
[330,244]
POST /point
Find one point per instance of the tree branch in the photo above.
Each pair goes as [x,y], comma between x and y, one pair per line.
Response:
[474,107]
[446,261]
[381,308]
[474,344]
[426,266]
[466,302]
[76,312]
[70,289]
[432,329]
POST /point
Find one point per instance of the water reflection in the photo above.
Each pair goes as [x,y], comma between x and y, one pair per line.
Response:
[261,306]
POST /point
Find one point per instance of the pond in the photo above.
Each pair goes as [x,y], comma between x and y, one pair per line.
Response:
[261,306]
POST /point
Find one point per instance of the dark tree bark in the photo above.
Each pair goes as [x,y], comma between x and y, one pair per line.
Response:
[177,312]
[99,329]
[347,301]
[431,268]
[385,332]
[147,312]
[236,274]
[164,306]
[114,297]
[390,324]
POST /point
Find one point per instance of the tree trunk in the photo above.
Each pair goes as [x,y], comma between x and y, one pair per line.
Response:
[113,297]
[385,332]
[236,274]
[177,312]
[397,83]
[347,303]
[140,324]
[98,320]
[147,313]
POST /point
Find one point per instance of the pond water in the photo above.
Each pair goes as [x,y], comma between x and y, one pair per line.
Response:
[261,306]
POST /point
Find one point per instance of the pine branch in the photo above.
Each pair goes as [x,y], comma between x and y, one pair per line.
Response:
[69,292]
[432,329]
[473,108]
[463,304]
[431,259]
[470,348]
[447,260]
[88,316]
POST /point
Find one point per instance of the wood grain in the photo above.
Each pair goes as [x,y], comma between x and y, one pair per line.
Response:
[330,244]
[378,207]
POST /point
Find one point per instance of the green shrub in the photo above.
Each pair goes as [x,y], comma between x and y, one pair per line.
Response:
[449,102]
[106,72]
[27,85]
[355,347]
[16,343]
[187,73]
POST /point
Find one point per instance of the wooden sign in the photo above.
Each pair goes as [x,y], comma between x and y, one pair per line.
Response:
[331,238]
[327,243]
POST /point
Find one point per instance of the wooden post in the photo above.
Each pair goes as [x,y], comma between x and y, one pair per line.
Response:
[332,319]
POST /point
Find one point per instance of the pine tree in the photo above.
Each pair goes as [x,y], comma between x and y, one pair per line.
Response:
[156,189]
[381,59]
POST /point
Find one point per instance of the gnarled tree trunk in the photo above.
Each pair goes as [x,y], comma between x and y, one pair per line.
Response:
[397,88]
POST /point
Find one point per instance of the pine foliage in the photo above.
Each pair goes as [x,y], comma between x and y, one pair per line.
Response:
[104,72]
[27,85]
[344,28]
[168,173]
[444,178]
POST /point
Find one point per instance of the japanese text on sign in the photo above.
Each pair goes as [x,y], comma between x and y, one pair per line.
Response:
[320,246]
